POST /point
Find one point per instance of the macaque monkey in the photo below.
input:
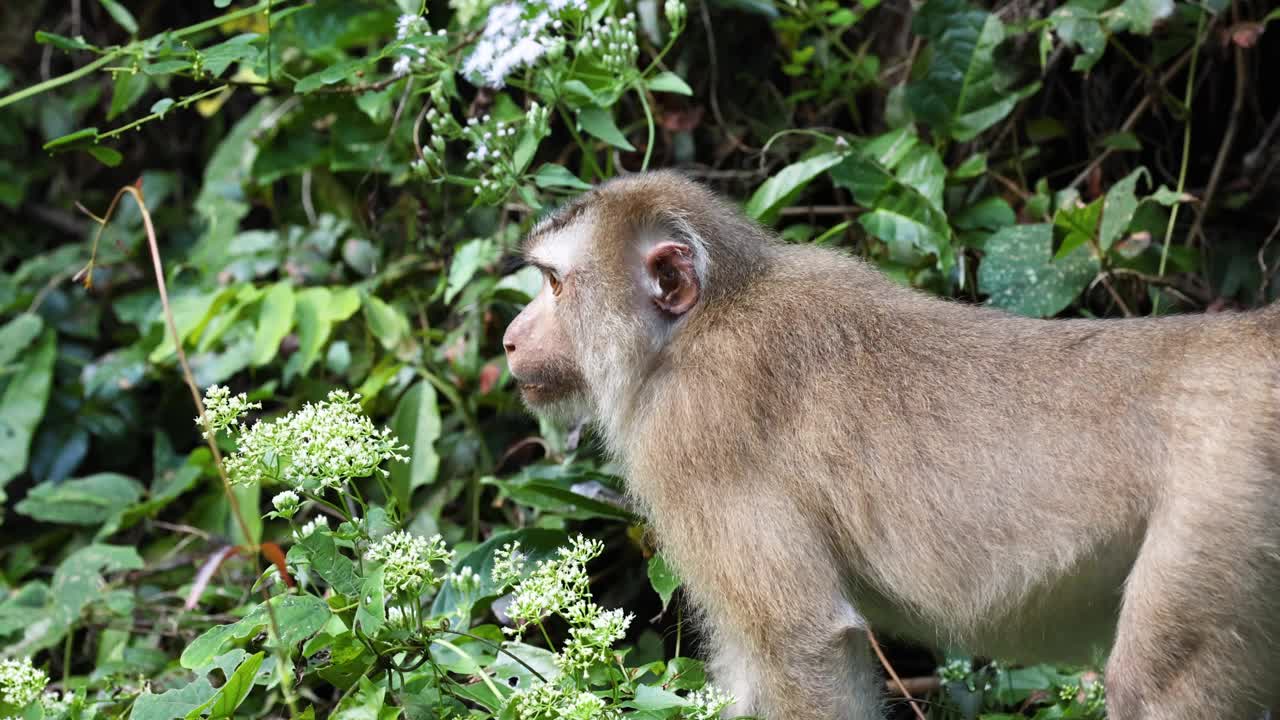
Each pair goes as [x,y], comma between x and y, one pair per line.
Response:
[821,451]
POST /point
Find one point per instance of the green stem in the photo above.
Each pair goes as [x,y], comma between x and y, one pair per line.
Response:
[648,118]
[154,116]
[78,73]
[1186,152]
[61,80]
[483,675]
[587,152]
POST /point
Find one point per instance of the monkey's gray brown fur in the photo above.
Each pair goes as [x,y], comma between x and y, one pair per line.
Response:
[821,450]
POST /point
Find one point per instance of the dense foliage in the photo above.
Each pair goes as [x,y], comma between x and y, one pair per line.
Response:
[361,522]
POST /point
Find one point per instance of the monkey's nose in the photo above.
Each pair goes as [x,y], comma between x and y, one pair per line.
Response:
[508,346]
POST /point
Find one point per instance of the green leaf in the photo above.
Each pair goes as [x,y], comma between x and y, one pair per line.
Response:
[663,579]
[160,106]
[1121,141]
[778,191]
[275,317]
[22,406]
[364,704]
[62,42]
[78,580]
[299,617]
[650,697]
[72,140]
[417,423]
[121,15]
[552,175]
[17,335]
[385,322]
[1138,16]
[962,93]
[1117,212]
[972,167]
[84,501]
[235,690]
[105,155]
[336,569]
[598,122]
[174,703]
[668,81]
[1019,274]
[371,613]
[469,258]
[1081,27]
[331,75]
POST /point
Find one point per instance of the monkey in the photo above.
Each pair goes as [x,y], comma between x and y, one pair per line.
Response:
[821,451]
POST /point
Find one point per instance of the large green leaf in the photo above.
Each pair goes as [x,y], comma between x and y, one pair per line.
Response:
[299,617]
[336,569]
[1018,272]
[780,189]
[234,690]
[598,122]
[275,317]
[962,93]
[22,406]
[417,423]
[173,703]
[84,501]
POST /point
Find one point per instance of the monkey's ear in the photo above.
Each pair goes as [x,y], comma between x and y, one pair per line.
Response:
[673,280]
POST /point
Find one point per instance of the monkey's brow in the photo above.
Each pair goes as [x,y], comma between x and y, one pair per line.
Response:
[552,223]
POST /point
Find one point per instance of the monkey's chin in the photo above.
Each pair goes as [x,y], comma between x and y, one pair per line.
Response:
[558,402]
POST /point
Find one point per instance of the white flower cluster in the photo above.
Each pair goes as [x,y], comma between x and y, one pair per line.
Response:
[20,682]
[559,586]
[319,521]
[707,703]
[413,54]
[319,447]
[465,581]
[286,503]
[613,43]
[407,561]
[518,34]
[222,410]
[590,644]
[544,701]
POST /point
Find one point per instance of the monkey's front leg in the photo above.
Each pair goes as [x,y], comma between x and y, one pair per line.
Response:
[821,670]
[785,641]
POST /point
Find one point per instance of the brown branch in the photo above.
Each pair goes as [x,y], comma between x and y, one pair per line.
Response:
[1228,139]
[902,689]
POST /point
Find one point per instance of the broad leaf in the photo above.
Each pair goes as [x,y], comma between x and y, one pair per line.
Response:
[598,122]
[22,406]
[275,317]
[1018,272]
[85,501]
[417,423]
[780,189]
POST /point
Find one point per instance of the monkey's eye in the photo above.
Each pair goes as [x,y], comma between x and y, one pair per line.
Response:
[555,283]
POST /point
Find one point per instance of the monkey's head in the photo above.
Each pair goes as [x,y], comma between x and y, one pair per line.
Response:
[624,267]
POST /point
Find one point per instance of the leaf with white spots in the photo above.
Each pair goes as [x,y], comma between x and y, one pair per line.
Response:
[1018,272]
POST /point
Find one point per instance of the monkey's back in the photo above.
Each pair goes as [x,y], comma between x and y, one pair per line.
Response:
[910,407]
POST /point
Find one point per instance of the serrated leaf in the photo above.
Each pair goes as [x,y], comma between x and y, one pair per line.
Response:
[299,617]
[336,569]
[668,81]
[779,190]
[1018,272]
[275,318]
[598,123]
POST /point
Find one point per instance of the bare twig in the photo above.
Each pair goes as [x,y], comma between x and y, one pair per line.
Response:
[902,689]
[1228,139]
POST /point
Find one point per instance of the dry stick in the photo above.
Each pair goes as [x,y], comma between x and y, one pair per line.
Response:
[189,377]
[1219,163]
[1134,116]
[875,645]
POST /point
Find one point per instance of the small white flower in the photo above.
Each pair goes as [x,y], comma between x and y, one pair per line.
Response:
[407,25]
[222,410]
[286,503]
[20,682]
[402,65]
[707,703]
